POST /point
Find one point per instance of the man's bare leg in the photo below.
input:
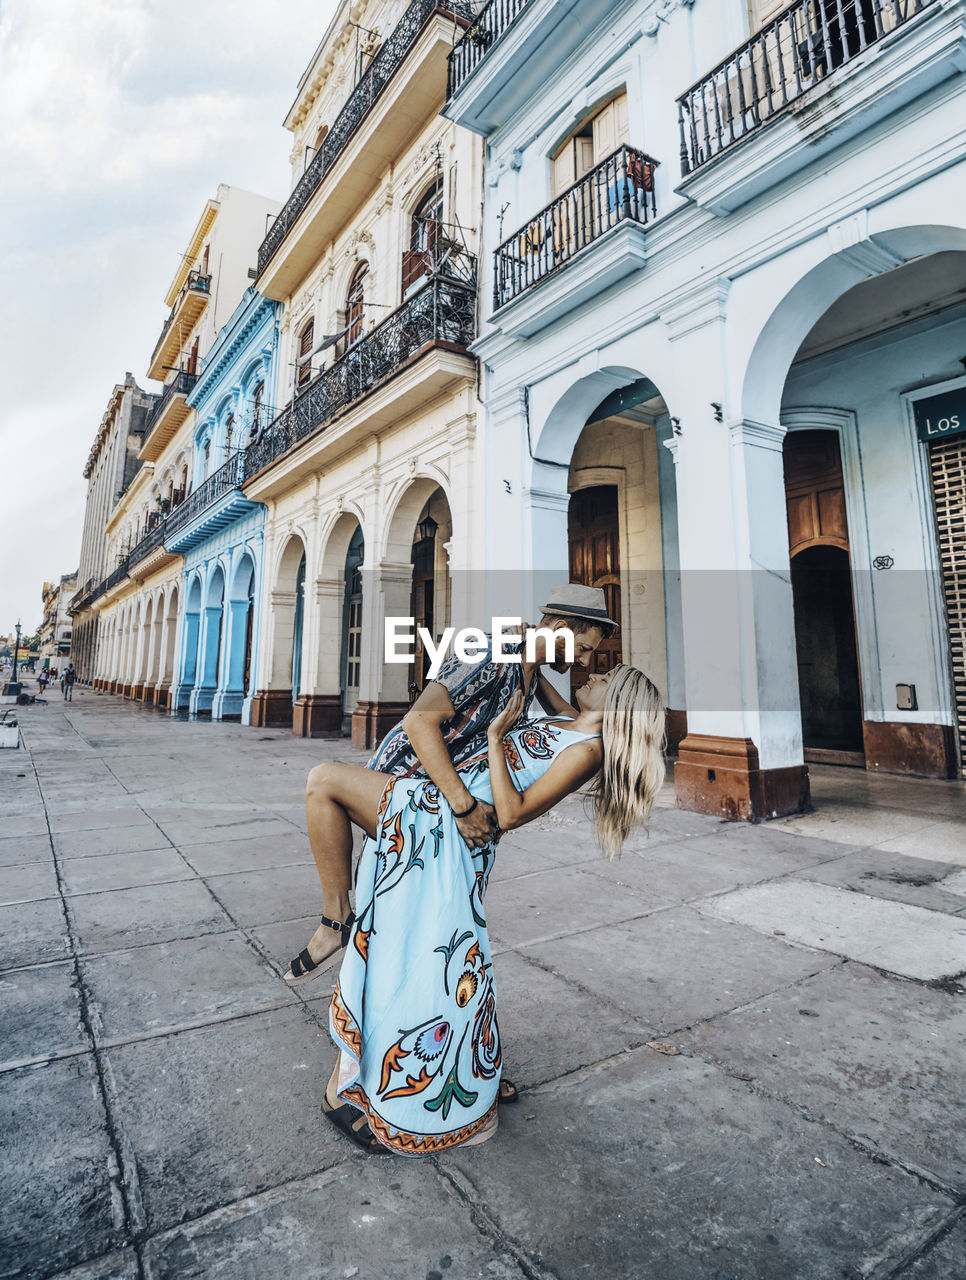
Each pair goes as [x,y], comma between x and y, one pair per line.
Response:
[336,796]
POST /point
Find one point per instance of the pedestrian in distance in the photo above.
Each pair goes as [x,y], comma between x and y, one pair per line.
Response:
[67,683]
[42,682]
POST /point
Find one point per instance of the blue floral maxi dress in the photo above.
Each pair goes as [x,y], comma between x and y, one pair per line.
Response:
[414,1010]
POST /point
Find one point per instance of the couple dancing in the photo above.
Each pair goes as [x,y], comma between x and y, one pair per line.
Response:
[413,1013]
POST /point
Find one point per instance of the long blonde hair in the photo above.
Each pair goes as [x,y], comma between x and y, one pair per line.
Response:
[632,770]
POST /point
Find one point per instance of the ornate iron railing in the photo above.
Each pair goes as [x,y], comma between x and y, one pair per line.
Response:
[366,93]
[195,283]
[81,599]
[220,482]
[619,189]
[790,55]
[112,579]
[180,385]
[486,28]
[443,311]
[152,539]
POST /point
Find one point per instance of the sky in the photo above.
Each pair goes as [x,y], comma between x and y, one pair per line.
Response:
[120,119]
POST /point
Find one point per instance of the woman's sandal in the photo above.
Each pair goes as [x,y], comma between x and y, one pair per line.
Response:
[509,1093]
[350,1121]
[303,968]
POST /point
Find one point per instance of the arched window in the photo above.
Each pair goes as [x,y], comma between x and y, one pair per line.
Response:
[257,397]
[207,459]
[355,303]
[424,237]
[306,343]
[229,432]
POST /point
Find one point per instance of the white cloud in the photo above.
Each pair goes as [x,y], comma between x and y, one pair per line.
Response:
[121,117]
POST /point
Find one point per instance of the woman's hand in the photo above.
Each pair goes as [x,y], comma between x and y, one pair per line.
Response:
[501,725]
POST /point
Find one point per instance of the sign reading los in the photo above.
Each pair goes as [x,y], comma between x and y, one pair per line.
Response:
[940,416]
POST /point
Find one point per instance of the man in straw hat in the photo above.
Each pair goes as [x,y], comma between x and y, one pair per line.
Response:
[445,726]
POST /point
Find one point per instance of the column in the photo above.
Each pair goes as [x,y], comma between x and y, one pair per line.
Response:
[317,712]
[383,687]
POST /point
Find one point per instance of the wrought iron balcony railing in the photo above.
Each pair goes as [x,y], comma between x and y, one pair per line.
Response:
[81,599]
[220,482]
[180,385]
[442,312]
[487,27]
[377,75]
[152,539]
[799,49]
[112,579]
[619,189]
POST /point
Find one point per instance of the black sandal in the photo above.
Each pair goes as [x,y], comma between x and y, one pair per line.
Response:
[346,1119]
[303,968]
[511,1095]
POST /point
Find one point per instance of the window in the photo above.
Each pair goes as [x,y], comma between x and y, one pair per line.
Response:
[229,432]
[207,458]
[355,303]
[257,408]
[304,367]
[424,237]
[600,135]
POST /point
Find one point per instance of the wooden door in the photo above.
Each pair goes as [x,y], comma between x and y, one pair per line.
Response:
[422,608]
[818,541]
[594,537]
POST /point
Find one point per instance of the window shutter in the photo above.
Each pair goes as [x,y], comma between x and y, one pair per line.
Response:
[563,168]
[610,128]
[761,12]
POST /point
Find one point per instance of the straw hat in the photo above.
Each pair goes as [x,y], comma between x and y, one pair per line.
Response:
[576,601]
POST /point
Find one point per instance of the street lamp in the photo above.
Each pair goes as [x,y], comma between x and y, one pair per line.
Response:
[12,687]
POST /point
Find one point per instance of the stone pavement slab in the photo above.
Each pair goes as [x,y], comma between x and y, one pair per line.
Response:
[60,1201]
[550,1027]
[862,1052]
[676,967]
[187,833]
[381,1220]
[28,883]
[149,913]
[41,1014]
[225,1111]
[942,841]
[19,849]
[693,1176]
[100,819]
[32,932]
[262,897]
[15,826]
[98,843]
[100,872]
[122,1265]
[254,854]
[170,985]
[909,941]
[893,876]
[945,1260]
[547,904]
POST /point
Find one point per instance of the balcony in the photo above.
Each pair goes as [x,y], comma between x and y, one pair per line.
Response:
[393,108]
[185,314]
[217,502]
[439,316]
[595,229]
[167,416]
[819,74]
[511,50]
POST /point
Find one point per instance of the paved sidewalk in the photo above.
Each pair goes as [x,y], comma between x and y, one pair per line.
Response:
[742,1049]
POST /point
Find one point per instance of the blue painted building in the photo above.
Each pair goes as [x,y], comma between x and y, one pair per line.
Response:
[218,530]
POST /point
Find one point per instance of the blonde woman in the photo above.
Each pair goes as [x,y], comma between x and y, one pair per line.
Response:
[414,1011]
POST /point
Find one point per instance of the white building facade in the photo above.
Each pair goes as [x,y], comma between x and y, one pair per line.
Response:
[724,287]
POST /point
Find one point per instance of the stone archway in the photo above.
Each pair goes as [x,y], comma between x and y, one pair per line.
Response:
[272,705]
[211,644]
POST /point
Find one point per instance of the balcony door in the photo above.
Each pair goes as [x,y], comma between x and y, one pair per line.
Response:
[593,527]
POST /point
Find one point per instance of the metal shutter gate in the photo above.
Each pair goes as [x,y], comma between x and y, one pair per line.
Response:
[947,471]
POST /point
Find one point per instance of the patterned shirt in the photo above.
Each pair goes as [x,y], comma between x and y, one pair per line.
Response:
[479,691]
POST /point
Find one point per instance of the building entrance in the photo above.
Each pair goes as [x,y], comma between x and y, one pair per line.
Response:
[818,542]
[593,530]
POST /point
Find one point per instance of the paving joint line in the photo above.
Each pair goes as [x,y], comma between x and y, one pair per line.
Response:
[462,1189]
[126,1177]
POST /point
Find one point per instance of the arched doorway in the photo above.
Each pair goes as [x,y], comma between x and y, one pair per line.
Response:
[230,699]
[428,597]
[818,543]
[281,648]
[212,638]
[190,639]
[593,532]
[297,628]
[351,663]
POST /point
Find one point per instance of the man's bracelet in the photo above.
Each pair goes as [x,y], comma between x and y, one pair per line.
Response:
[468,811]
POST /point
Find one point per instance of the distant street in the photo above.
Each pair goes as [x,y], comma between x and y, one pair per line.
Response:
[741,1049]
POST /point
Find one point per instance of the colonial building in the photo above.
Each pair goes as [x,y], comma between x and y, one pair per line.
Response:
[55,629]
[218,529]
[372,457]
[724,282]
[110,467]
[142,600]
